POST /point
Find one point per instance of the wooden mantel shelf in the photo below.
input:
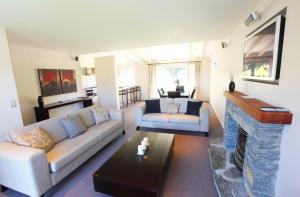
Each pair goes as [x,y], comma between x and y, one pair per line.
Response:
[252,107]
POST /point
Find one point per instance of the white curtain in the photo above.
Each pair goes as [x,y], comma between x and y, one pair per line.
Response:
[152,81]
[191,78]
[197,79]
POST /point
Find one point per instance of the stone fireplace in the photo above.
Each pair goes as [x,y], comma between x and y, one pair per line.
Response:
[246,160]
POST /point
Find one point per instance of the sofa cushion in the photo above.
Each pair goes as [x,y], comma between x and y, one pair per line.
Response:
[55,129]
[173,108]
[152,106]
[36,138]
[184,119]
[156,117]
[73,125]
[100,114]
[164,104]
[19,131]
[87,117]
[104,129]
[183,104]
[68,150]
[193,108]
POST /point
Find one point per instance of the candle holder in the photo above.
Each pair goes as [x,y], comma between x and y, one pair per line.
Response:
[146,140]
[142,148]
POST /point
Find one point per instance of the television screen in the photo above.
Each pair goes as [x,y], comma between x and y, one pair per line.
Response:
[262,52]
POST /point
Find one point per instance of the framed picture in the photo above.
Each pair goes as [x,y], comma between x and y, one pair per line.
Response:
[50,82]
[68,81]
[263,52]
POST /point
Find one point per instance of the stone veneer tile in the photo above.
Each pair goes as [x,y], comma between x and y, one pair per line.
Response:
[217,157]
[262,150]
[229,183]
[217,141]
[233,173]
[230,137]
[227,178]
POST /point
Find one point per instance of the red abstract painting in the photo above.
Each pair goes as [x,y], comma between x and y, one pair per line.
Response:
[68,81]
[50,82]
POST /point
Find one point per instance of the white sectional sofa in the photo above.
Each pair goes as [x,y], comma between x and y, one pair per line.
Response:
[179,121]
[33,171]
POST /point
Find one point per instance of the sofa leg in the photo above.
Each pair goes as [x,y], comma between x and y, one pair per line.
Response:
[3,188]
[137,128]
[206,134]
[124,132]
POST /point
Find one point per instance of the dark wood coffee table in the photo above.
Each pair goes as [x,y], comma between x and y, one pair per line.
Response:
[127,174]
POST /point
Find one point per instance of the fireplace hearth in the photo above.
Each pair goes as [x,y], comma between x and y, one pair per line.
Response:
[239,154]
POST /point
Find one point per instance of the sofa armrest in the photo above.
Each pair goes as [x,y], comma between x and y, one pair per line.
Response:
[204,118]
[24,169]
[116,114]
[140,110]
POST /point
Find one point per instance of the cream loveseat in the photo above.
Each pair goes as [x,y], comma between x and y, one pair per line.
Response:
[33,171]
[178,121]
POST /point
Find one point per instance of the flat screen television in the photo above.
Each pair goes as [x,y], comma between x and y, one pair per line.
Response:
[263,51]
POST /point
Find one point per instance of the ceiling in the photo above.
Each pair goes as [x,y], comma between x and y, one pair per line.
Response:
[86,26]
[156,54]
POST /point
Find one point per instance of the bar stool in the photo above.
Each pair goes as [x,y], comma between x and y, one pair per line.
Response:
[137,91]
[131,94]
[123,93]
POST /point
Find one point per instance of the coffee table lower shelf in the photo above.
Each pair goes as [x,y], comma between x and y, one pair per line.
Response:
[118,189]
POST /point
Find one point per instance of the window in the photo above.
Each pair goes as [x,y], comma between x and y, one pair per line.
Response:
[166,76]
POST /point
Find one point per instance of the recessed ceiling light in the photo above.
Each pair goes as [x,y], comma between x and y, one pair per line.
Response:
[174,32]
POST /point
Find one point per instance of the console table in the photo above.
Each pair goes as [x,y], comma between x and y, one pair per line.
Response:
[42,113]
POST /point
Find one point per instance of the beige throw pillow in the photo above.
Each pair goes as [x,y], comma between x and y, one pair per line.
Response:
[36,138]
[100,114]
[172,108]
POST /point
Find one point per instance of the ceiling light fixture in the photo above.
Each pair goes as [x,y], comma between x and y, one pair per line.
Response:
[254,16]
[226,43]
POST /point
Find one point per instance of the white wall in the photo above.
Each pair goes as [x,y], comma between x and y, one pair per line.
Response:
[105,72]
[142,78]
[204,86]
[10,116]
[26,60]
[286,94]
[86,61]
